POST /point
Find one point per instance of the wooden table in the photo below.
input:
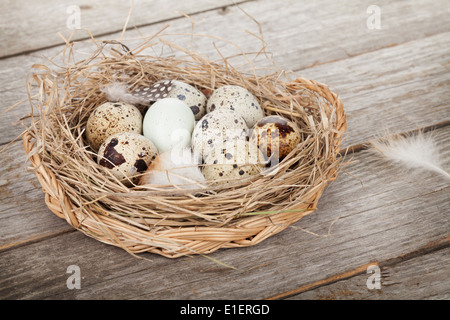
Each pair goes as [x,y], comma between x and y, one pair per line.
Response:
[375,222]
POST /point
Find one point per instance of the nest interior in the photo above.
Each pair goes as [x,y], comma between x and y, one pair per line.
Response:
[244,213]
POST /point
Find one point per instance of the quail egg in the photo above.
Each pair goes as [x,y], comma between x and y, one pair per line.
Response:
[168,123]
[127,155]
[275,136]
[110,118]
[232,163]
[216,127]
[194,98]
[237,99]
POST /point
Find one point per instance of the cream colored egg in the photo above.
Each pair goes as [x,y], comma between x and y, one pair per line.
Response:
[110,118]
[237,99]
[234,162]
[168,123]
[216,127]
[194,98]
[127,155]
[276,137]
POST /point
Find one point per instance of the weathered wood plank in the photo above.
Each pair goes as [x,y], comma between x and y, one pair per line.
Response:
[24,214]
[19,184]
[358,119]
[411,69]
[415,89]
[33,25]
[397,88]
[302,22]
[423,278]
[388,216]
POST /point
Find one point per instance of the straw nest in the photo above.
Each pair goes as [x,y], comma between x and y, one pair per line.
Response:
[182,223]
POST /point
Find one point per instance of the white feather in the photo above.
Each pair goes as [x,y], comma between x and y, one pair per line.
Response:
[418,151]
[117,91]
[174,168]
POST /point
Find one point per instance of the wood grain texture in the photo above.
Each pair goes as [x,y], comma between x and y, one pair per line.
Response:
[422,278]
[397,94]
[408,69]
[386,216]
[24,214]
[404,105]
[32,25]
[396,78]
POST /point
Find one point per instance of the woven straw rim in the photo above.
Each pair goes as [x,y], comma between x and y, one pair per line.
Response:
[174,231]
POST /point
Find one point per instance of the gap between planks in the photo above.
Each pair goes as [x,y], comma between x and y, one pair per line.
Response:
[354,147]
[297,70]
[351,150]
[427,249]
[351,55]
[143,25]
[35,239]
[339,277]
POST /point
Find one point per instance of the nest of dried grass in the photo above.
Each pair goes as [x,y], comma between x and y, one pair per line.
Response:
[80,191]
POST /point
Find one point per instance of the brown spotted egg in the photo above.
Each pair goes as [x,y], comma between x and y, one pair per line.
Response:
[194,98]
[216,127]
[127,155]
[275,136]
[237,99]
[110,118]
[233,162]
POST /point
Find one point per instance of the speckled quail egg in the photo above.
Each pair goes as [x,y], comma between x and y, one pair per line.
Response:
[216,127]
[233,162]
[168,123]
[110,118]
[275,136]
[127,154]
[194,98]
[237,99]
